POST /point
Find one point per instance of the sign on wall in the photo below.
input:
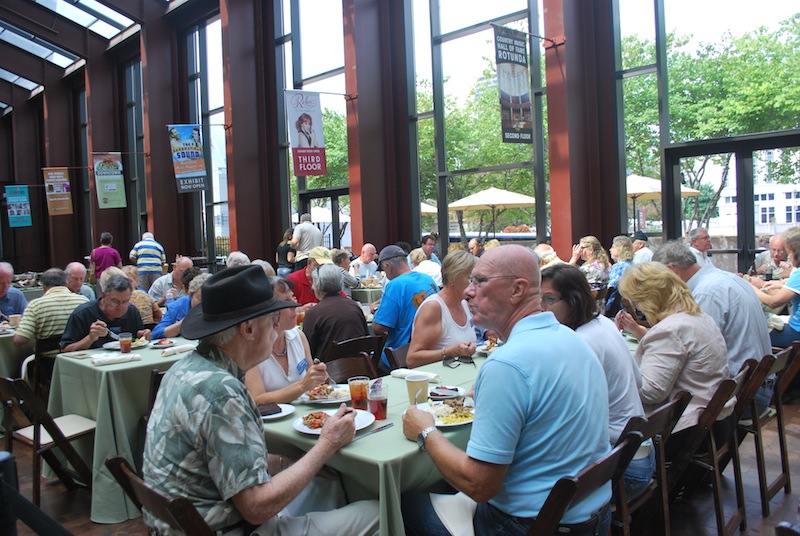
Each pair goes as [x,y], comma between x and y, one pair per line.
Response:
[188,157]
[108,180]
[513,84]
[19,206]
[304,116]
[57,191]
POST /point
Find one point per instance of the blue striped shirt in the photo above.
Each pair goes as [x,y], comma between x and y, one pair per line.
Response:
[149,256]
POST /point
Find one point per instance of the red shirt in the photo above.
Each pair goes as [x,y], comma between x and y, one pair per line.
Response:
[302,287]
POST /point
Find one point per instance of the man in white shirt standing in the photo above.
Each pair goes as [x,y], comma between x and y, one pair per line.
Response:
[306,237]
[641,253]
[699,244]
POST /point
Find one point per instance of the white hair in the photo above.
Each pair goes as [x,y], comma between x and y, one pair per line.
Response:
[237,258]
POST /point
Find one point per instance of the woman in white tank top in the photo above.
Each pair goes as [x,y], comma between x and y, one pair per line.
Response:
[442,325]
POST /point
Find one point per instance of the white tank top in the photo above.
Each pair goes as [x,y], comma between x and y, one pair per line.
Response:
[272,374]
[452,332]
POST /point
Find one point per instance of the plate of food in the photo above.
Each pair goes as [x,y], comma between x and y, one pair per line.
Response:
[443,392]
[312,422]
[141,342]
[162,343]
[449,413]
[490,346]
[327,394]
[271,411]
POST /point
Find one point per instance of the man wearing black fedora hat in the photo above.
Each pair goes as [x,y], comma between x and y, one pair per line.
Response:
[205,438]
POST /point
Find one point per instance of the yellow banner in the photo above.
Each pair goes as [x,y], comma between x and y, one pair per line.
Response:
[56,188]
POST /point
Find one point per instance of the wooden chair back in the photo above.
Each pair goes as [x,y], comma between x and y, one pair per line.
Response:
[573,489]
[180,513]
[79,474]
[760,371]
[372,345]
[397,356]
[657,427]
[41,379]
[347,367]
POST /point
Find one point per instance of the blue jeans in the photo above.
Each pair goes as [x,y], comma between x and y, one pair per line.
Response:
[283,272]
[639,473]
[785,337]
[420,519]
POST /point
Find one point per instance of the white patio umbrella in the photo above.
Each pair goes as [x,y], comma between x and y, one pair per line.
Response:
[646,189]
[427,210]
[493,199]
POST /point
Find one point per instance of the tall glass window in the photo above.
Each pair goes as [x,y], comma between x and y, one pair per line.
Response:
[135,164]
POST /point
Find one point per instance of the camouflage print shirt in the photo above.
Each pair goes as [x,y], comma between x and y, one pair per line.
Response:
[205,439]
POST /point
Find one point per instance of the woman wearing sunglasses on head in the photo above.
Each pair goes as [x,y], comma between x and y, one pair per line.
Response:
[442,325]
[566,294]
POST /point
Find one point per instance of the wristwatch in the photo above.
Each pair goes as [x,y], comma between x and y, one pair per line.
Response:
[422,435]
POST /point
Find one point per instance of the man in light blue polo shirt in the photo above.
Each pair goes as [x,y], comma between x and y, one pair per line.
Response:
[541,413]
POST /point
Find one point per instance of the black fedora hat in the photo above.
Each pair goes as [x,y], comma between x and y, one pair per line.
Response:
[229,298]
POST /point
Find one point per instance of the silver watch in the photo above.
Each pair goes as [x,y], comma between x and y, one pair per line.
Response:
[422,435]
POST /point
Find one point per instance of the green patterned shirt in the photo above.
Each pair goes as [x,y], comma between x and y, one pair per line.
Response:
[205,439]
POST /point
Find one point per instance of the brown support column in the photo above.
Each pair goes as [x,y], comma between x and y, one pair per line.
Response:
[581,121]
[377,122]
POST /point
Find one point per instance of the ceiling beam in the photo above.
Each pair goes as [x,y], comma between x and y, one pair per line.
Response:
[6,92]
[23,63]
[50,26]
[124,7]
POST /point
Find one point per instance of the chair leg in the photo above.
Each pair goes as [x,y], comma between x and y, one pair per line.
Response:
[741,512]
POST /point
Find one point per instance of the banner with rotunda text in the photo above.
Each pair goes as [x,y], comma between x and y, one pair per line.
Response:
[513,84]
[56,190]
[304,116]
[109,180]
[188,157]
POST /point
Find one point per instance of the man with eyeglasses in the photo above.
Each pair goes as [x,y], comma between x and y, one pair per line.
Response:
[699,243]
[541,414]
[90,324]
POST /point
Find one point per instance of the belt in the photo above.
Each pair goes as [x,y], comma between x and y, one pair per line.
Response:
[644,450]
[568,528]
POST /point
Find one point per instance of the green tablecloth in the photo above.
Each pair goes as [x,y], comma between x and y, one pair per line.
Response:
[116,397]
[32,293]
[385,464]
[367,295]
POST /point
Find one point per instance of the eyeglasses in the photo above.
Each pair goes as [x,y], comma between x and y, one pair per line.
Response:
[454,362]
[550,300]
[477,281]
[117,303]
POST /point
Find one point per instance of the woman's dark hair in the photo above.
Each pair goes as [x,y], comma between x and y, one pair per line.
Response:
[575,291]
[299,123]
[106,238]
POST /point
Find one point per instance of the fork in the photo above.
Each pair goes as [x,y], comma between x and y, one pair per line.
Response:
[112,334]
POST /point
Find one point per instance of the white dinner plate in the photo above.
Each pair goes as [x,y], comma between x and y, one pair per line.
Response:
[114,345]
[306,399]
[286,409]
[459,393]
[482,349]
[363,419]
[155,343]
[424,407]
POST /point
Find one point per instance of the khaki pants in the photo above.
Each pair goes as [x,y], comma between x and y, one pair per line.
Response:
[360,518]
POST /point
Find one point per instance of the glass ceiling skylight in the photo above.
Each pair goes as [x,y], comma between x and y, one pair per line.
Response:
[90,14]
[18,80]
[29,43]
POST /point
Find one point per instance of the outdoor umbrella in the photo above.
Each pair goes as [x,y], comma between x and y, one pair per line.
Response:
[646,189]
[427,210]
[492,199]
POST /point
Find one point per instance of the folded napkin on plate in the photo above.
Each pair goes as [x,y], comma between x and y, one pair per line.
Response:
[403,372]
[110,359]
[775,322]
[178,349]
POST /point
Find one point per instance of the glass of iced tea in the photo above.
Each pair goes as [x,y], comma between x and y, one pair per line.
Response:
[378,398]
[358,391]
[301,315]
[125,341]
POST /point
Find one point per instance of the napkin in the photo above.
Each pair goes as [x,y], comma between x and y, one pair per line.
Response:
[403,372]
[775,322]
[110,359]
[178,349]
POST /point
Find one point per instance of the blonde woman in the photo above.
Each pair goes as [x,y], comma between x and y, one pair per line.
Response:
[622,254]
[148,308]
[683,349]
[595,261]
[442,324]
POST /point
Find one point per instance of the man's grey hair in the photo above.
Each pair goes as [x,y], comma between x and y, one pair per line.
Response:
[267,267]
[75,265]
[397,262]
[328,279]
[54,277]
[6,268]
[197,283]
[692,235]
[237,258]
[677,253]
[148,236]
[305,217]
[117,282]
[221,338]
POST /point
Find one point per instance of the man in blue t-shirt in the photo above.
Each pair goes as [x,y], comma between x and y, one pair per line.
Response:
[541,413]
[403,294]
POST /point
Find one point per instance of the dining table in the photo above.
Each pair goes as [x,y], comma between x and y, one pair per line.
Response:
[367,295]
[385,464]
[116,397]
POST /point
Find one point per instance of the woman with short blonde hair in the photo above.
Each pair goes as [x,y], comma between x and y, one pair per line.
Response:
[595,261]
[683,350]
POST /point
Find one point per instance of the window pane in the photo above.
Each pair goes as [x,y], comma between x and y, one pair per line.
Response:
[456,14]
[216,95]
[638,33]
[321,36]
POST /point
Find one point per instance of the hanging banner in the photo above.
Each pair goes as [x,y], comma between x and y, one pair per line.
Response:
[304,116]
[56,189]
[108,180]
[188,157]
[513,83]
[19,206]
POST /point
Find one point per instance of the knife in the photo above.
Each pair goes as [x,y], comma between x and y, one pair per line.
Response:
[378,429]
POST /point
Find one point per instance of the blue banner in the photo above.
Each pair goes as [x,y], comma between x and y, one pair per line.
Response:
[19,206]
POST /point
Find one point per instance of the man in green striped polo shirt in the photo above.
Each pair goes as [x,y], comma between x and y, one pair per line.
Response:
[149,257]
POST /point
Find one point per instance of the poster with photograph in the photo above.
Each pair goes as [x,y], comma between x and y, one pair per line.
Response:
[188,157]
[108,180]
[56,189]
[513,83]
[306,134]
[19,206]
